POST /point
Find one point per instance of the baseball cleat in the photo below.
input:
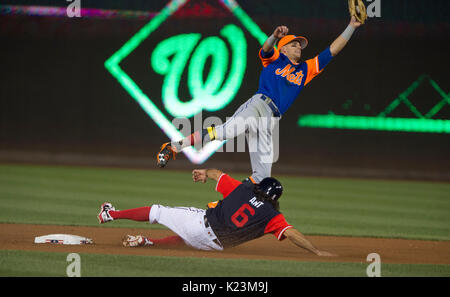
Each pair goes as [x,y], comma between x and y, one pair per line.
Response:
[165,154]
[104,216]
[135,241]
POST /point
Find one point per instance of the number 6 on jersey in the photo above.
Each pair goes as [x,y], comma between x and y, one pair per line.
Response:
[241,213]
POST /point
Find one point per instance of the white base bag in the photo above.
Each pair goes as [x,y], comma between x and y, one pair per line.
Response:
[63,239]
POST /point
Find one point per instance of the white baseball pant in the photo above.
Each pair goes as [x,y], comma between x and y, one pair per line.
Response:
[188,223]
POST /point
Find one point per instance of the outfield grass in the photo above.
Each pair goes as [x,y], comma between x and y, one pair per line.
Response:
[26,263]
[316,206]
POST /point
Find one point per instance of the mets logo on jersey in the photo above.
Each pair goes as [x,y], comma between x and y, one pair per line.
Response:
[287,72]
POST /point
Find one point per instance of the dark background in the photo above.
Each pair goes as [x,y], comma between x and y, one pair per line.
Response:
[59,105]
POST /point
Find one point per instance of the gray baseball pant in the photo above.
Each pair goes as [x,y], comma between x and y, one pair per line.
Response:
[256,120]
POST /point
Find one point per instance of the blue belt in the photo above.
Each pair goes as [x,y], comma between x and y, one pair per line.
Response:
[276,112]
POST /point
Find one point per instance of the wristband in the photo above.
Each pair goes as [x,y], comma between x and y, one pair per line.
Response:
[348,32]
[272,40]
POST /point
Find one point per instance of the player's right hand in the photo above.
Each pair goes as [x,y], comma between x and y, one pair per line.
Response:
[199,175]
[280,32]
[354,23]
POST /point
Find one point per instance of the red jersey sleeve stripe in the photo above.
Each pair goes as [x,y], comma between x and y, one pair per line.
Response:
[277,226]
[280,235]
[218,181]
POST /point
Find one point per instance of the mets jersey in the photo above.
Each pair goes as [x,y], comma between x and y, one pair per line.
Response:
[282,81]
[240,217]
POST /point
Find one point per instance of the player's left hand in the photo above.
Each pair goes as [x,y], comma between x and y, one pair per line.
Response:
[354,23]
[199,175]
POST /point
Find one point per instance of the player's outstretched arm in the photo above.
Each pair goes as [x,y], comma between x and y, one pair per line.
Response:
[300,240]
[279,33]
[202,175]
[342,40]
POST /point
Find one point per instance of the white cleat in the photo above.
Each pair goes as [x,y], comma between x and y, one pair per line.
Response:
[104,216]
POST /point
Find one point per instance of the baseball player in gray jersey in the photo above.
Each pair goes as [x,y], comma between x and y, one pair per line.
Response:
[282,79]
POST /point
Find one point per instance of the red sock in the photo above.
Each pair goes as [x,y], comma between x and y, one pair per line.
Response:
[136,214]
[190,140]
[168,241]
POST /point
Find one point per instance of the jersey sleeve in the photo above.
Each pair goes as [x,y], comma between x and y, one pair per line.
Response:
[226,184]
[267,58]
[317,64]
[277,226]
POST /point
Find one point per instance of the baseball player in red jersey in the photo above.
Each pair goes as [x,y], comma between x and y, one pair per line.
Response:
[282,79]
[245,213]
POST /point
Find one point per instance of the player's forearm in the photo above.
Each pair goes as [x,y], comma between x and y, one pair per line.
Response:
[213,174]
[342,40]
[300,240]
[269,43]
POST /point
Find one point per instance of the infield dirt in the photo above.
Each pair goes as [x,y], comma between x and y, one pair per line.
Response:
[349,249]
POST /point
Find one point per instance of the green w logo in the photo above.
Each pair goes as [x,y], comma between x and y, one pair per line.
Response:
[209,94]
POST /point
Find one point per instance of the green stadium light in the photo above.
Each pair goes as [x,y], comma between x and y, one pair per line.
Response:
[422,124]
[374,123]
[171,55]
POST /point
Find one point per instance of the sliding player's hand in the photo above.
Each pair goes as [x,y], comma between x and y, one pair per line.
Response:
[199,175]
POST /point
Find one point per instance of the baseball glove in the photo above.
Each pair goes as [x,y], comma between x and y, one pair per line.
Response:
[358,10]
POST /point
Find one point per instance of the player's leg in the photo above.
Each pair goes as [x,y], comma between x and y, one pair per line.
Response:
[229,130]
[188,223]
[169,150]
[233,127]
[141,214]
[239,122]
[261,148]
[259,159]
[260,138]
[109,213]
